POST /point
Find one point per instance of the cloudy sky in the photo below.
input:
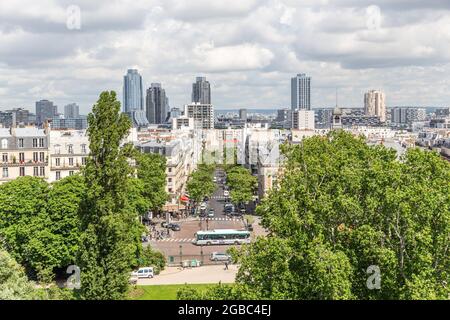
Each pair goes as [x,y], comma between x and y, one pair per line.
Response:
[248,50]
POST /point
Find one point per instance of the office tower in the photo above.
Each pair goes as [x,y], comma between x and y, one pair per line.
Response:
[22,115]
[71,111]
[6,119]
[407,115]
[203,115]
[301,92]
[303,120]
[243,114]
[374,104]
[133,101]
[156,104]
[45,110]
[201,91]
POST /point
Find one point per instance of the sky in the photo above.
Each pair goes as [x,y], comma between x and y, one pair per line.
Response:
[70,51]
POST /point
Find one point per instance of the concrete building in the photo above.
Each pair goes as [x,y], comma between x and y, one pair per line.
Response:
[157,107]
[301,92]
[68,150]
[133,101]
[243,114]
[201,91]
[203,115]
[24,152]
[182,122]
[61,123]
[323,117]
[375,104]
[6,119]
[71,111]
[303,120]
[23,116]
[405,116]
[45,110]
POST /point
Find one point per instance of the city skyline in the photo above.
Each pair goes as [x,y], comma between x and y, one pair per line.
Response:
[354,46]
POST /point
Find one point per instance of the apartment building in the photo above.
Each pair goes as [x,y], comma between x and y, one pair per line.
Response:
[24,152]
[68,151]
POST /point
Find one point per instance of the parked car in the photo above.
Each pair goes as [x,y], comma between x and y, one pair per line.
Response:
[226,193]
[144,272]
[211,213]
[218,256]
[174,227]
[203,206]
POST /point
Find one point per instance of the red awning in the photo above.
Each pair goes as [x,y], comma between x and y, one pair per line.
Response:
[184,198]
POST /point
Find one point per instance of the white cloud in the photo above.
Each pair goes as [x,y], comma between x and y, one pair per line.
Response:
[248,49]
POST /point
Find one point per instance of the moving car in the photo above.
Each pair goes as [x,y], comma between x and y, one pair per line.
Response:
[218,256]
[145,272]
[203,206]
[226,193]
[228,208]
[174,227]
[211,213]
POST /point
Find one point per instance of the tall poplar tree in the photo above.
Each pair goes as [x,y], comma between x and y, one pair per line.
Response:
[110,232]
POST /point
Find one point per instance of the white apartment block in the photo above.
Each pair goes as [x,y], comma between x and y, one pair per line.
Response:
[303,120]
[24,152]
[375,104]
[68,150]
[203,115]
[182,122]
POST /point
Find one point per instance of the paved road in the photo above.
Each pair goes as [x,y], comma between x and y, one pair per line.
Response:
[204,274]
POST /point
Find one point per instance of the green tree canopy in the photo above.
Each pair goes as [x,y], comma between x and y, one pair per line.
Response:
[110,242]
[200,183]
[242,184]
[343,208]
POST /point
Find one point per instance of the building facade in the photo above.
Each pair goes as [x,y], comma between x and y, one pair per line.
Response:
[45,110]
[203,115]
[303,120]
[133,101]
[201,91]
[156,104]
[71,110]
[24,152]
[68,151]
[301,92]
[375,104]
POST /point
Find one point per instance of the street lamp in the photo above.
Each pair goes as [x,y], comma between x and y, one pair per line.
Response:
[181,255]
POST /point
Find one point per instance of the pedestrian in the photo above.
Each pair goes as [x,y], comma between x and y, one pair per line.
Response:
[226,265]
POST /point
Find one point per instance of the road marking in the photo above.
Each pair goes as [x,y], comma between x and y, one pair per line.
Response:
[174,240]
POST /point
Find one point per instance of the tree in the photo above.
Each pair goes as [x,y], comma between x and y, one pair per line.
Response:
[200,183]
[110,239]
[152,258]
[14,284]
[242,184]
[40,225]
[342,209]
[151,170]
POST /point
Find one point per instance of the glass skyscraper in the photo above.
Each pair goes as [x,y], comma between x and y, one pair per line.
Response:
[301,92]
[157,104]
[201,91]
[133,100]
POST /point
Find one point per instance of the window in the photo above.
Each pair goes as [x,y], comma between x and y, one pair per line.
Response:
[4,144]
[71,173]
[41,156]
[70,149]
[169,179]
[57,149]
[21,157]
[35,156]
[5,157]
[70,161]
[22,171]
[57,162]
[35,171]
[35,143]
[42,171]
[58,175]
[5,172]
[83,148]
[20,142]
[83,161]
[41,142]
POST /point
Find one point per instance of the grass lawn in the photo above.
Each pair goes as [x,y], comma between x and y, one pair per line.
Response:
[162,292]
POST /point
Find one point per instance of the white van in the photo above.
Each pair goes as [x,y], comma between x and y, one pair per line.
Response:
[145,272]
[217,256]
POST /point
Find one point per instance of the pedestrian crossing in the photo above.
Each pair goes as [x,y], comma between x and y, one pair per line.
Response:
[222,219]
[174,240]
[219,197]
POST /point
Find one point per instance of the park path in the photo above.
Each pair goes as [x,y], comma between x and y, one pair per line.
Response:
[203,274]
